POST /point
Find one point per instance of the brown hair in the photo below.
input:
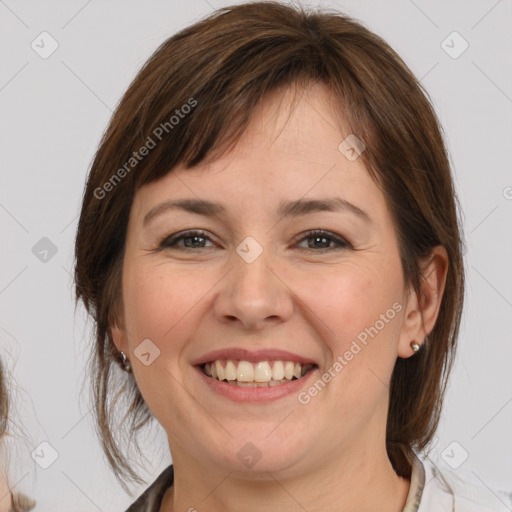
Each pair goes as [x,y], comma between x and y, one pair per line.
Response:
[224,66]
[4,402]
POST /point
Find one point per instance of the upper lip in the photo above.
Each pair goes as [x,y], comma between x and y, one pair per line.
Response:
[244,354]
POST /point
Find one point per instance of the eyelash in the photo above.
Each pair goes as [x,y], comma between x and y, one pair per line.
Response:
[170,242]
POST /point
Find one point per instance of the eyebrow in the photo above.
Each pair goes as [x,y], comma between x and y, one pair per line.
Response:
[287,209]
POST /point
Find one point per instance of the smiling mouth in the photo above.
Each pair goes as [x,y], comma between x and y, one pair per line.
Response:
[260,374]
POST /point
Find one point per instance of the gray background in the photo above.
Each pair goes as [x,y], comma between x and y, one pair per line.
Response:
[53,113]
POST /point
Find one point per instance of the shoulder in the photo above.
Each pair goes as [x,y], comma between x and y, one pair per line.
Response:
[461,491]
[151,498]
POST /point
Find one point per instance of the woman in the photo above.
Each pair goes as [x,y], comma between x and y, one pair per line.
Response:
[269,247]
[9,501]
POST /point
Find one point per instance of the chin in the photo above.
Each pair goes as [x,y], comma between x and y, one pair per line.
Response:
[255,453]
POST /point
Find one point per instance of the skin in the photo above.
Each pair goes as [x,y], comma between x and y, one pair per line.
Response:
[329,454]
[5,495]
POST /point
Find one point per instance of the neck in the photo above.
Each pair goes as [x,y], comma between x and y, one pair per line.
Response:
[364,481]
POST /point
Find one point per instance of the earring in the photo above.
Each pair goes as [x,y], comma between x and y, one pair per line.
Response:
[415,345]
[124,362]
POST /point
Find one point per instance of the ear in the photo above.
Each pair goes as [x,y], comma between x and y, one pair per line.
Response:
[119,338]
[421,312]
[118,331]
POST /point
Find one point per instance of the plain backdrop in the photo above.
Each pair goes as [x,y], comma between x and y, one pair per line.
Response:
[53,111]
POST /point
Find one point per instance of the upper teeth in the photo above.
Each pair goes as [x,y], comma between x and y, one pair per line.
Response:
[262,371]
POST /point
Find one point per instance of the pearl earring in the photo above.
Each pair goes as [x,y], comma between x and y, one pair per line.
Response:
[415,345]
[125,362]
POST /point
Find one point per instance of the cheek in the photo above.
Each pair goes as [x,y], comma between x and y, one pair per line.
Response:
[148,300]
[359,316]
[162,304]
[351,298]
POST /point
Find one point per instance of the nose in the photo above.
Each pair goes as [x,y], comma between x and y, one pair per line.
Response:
[254,295]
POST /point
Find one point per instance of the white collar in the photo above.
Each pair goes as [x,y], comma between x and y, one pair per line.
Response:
[436,490]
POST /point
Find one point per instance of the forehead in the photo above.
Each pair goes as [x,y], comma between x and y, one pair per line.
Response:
[290,150]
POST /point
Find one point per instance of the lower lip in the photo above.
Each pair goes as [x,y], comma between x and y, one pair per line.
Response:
[255,394]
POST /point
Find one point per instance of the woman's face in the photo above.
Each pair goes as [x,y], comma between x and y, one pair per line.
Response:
[256,287]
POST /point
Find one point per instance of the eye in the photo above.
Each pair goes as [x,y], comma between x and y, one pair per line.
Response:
[195,239]
[322,238]
[192,240]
